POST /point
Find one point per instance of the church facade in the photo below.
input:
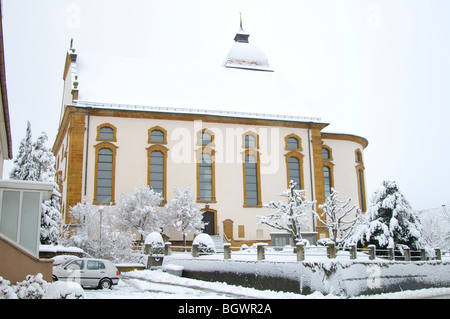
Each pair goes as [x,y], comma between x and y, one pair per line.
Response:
[234,161]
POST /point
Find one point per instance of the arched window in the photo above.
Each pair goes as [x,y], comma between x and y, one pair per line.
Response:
[106,132]
[294,171]
[252,186]
[205,138]
[205,177]
[360,180]
[292,143]
[250,140]
[104,173]
[327,181]
[157,169]
[157,135]
[325,153]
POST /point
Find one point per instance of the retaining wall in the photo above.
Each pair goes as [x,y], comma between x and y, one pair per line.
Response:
[347,278]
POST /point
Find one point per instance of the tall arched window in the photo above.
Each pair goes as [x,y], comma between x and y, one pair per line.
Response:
[327,181]
[205,178]
[157,169]
[252,187]
[294,171]
[104,173]
[360,180]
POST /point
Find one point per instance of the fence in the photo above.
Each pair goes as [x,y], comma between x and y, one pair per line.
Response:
[303,252]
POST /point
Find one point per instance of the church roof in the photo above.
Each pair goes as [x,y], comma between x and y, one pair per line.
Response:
[234,88]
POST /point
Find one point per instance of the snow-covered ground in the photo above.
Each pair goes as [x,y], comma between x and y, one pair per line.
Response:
[156,284]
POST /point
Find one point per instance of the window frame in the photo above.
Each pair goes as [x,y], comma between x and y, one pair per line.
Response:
[299,142]
[107,125]
[113,148]
[157,128]
[211,153]
[254,153]
[360,180]
[298,156]
[163,150]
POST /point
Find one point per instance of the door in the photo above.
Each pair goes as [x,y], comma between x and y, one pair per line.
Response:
[95,270]
[209,220]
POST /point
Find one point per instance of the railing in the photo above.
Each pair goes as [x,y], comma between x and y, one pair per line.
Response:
[261,250]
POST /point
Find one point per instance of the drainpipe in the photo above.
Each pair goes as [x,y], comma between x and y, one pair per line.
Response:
[87,152]
[311,173]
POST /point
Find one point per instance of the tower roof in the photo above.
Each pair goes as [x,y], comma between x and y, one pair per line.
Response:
[244,55]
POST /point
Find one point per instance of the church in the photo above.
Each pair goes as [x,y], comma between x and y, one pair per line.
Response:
[128,122]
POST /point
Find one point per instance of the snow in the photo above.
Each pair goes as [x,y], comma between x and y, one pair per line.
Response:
[127,81]
[154,239]
[64,290]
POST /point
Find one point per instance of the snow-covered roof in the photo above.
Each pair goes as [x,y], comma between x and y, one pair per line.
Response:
[125,82]
[239,87]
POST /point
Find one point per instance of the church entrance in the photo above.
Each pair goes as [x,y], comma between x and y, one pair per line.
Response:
[209,218]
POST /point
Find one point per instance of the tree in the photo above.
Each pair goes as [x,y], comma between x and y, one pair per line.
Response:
[291,216]
[391,222]
[96,235]
[183,213]
[35,162]
[335,217]
[139,211]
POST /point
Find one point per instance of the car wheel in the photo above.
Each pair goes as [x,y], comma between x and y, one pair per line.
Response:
[54,278]
[105,283]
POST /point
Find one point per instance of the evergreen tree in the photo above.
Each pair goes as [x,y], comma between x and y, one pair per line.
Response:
[391,222]
[35,162]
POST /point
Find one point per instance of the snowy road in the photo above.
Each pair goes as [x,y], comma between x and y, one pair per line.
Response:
[156,284]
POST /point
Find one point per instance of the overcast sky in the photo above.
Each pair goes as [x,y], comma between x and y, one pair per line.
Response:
[375,68]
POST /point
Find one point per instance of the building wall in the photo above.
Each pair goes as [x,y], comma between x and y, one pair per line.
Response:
[131,161]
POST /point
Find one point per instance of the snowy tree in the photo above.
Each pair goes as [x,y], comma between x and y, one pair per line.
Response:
[139,211]
[24,167]
[183,213]
[291,216]
[35,162]
[96,235]
[335,217]
[391,222]
[436,227]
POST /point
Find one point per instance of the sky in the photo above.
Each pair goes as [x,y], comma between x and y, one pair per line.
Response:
[374,68]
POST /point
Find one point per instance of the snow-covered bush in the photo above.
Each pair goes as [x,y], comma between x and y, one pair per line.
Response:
[205,244]
[64,290]
[157,243]
[6,291]
[33,287]
[291,216]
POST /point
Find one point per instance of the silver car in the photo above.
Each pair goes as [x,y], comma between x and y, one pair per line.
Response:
[88,272]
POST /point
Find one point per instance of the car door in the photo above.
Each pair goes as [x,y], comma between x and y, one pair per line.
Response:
[95,270]
[75,271]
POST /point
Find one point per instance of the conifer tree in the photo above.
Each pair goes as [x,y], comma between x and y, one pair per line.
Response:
[391,222]
[35,162]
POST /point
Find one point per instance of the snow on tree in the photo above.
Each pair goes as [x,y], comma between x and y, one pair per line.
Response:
[183,213]
[291,216]
[139,211]
[436,227]
[35,162]
[335,217]
[390,221]
[96,235]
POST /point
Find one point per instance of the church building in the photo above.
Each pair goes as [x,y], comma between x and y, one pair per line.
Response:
[128,122]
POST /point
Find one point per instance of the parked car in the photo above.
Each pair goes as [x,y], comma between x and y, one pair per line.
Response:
[88,272]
